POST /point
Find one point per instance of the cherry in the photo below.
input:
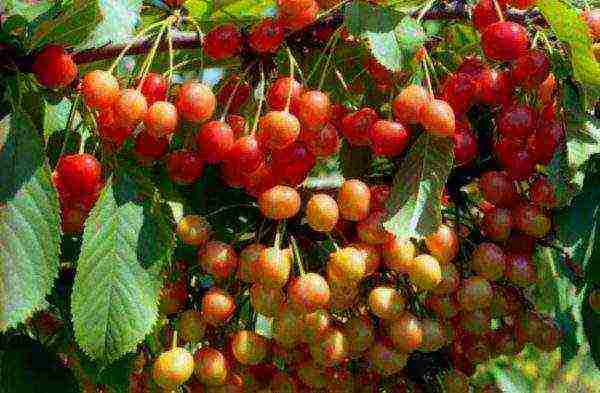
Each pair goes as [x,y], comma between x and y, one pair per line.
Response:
[371,230]
[465,144]
[77,176]
[520,270]
[530,220]
[338,111]
[386,302]
[194,230]
[315,324]
[322,213]
[437,117]
[346,265]
[217,307]
[293,7]
[425,272]
[471,65]
[54,68]
[485,14]
[218,259]
[279,202]
[287,327]
[266,301]
[388,138]
[211,367]
[238,99]
[450,280]
[100,89]
[191,326]
[531,69]
[407,105]
[246,155]
[489,261]
[519,243]
[353,200]
[386,360]
[278,130]
[314,109]
[355,126]
[542,193]
[460,91]
[195,102]
[184,166]
[522,4]
[544,143]
[214,141]
[261,180]
[517,121]
[325,143]
[474,293]
[173,297]
[223,41]
[237,124]
[406,333]
[173,368]
[308,293]
[161,119]
[504,41]
[149,147]
[277,94]
[497,224]
[112,133]
[498,188]
[130,108]
[266,36]
[495,87]
[73,219]
[273,267]
[398,254]
[300,20]
[248,347]
[372,256]
[444,307]
[247,259]
[360,333]
[518,161]
[434,335]
[330,349]
[292,164]
[592,18]
[154,87]
[443,243]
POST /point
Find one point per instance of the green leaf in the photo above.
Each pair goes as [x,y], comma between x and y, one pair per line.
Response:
[583,140]
[28,9]
[126,242]
[119,22]
[198,8]
[243,9]
[414,206]
[511,381]
[29,221]
[591,325]
[406,6]
[56,116]
[74,25]
[570,28]
[559,175]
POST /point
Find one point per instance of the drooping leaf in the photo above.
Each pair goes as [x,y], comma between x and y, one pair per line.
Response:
[583,140]
[29,221]
[120,18]
[125,244]
[414,206]
[570,28]
[73,25]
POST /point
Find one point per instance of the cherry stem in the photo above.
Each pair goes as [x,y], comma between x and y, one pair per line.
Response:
[148,62]
[235,89]
[332,240]
[428,79]
[279,234]
[171,54]
[174,342]
[225,208]
[297,256]
[288,100]
[498,10]
[133,42]
[326,68]
[261,85]
[320,59]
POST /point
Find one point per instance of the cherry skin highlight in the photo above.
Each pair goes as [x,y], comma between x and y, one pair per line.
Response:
[314,109]
[355,126]
[266,36]
[154,87]
[161,119]
[504,41]
[408,103]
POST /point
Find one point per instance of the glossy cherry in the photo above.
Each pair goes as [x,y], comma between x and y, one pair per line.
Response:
[504,41]
[516,159]
[238,95]
[214,141]
[407,105]
[354,200]
[277,130]
[279,202]
[325,143]
[100,89]
[460,91]
[223,41]
[437,117]
[196,102]
[266,36]
[465,144]
[246,155]
[388,138]
[292,164]
[150,148]
[154,87]
[355,126]
[161,119]
[78,175]
[54,68]
[314,109]
[485,14]
[498,188]
[184,166]
[517,121]
[495,87]
[531,69]
[278,92]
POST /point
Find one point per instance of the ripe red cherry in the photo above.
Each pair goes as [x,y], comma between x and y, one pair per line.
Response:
[592,18]
[522,4]
[266,36]
[54,68]
[218,258]
[406,333]
[517,121]
[195,102]
[354,200]
[112,134]
[238,99]
[471,65]
[237,124]
[149,147]
[279,202]
[245,155]
[437,117]
[388,138]
[515,158]
[542,193]
[460,91]
[484,14]
[184,166]
[495,87]
[504,41]
[380,194]
[78,175]
[465,144]
[277,130]
[161,119]
[308,293]
[356,125]
[260,180]
[223,42]
[214,141]
[277,94]
[314,109]
[300,20]
[293,7]
[530,220]
[547,138]
[154,87]
[326,142]
[322,213]
[292,164]
[73,219]
[497,224]
[210,367]
[100,89]
[273,267]
[217,307]
[407,104]
[498,188]
[531,69]
[130,108]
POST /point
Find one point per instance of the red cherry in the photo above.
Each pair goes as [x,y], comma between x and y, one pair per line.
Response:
[530,219]
[237,124]
[218,258]
[472,66]
[292,164]
[266,36]
[325,143]
[277,130]
[437,117]
[260,180]
[531,69]
[223,42]
[522,4]
[356,125]
[129,108]
[161,119]
[79,175]
[517,121]
[465,144]
[545,141]
[100,89]
[195,102]
[542,193]
[239,98]
[485,14]
[407,105]
[277,94]
[388,138]
[495,87]
[292,7]
[231,175]
[149,147]
[379,195]
[498,188]
[314,109]
[300,20]
[214,141]
[184,166]
[505,41]
[338,111]
[154,87]
[497,224]
[592,18]
[460,91]
[520,243]
[111,133]
[515,158]
[73,219]
[54,68]
[246,155]
[520,270]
